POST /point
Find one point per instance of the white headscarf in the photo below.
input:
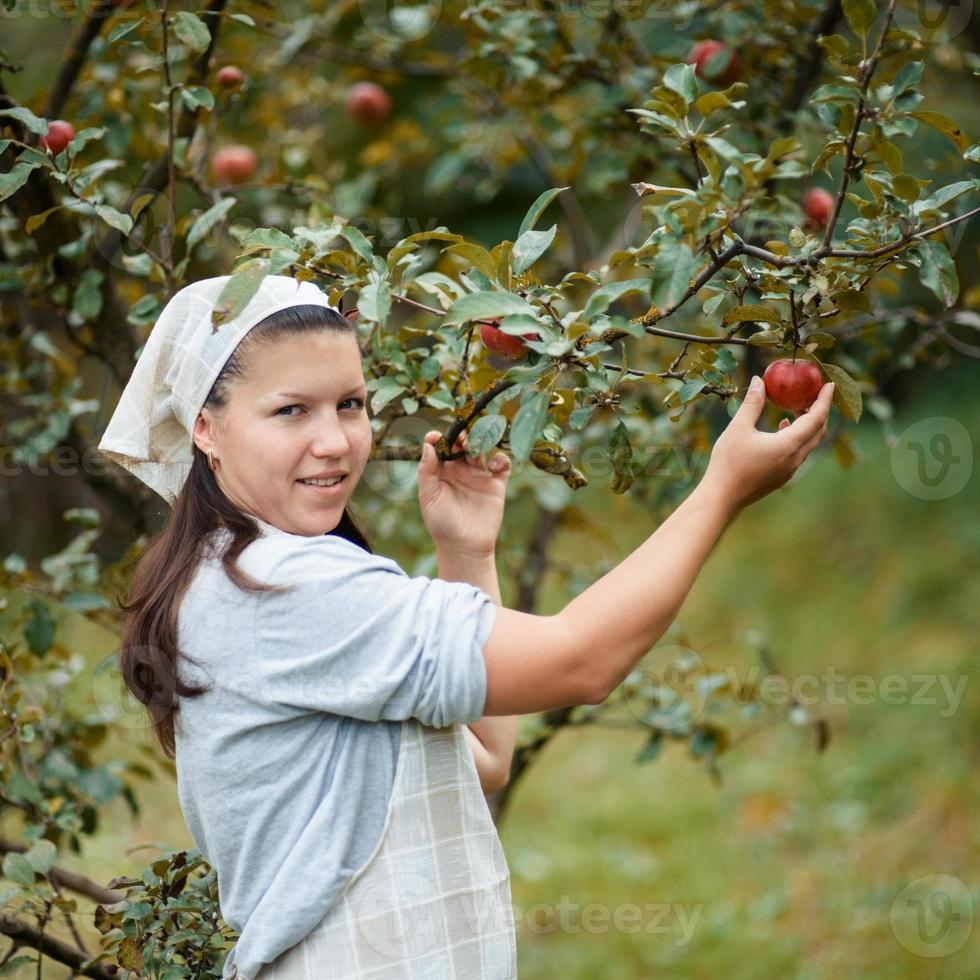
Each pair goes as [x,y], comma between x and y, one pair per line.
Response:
[150,432]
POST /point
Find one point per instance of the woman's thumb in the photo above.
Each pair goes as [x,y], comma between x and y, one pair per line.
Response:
[755,399]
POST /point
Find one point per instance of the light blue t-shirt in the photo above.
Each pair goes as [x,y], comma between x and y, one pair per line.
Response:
[285,768]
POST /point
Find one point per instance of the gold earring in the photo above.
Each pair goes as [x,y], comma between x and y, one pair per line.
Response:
[211,459]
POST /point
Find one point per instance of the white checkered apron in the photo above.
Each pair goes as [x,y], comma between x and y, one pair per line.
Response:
[433,902]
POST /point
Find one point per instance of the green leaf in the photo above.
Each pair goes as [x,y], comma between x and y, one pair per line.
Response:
[240,288]
[579,419]
[36,220]
[939,271]
[17,868]
[527,425]
[680,79]
[944,195]
[852,299]
[672,271]
[599,301]
[40,628]
[203,225]
[41,856]
[651,749]
[753,313]
[860,15]
[621,455]
[121,30]
[725,362]
[690,389]
[945,125]
[191,30]
[87,298]
[486,304]
[908,75]
[15,178]
[712,101]
[270,237]
[906,187]
[357,242]
[537,208]
[22,114]
[387,389]
[115,219]
[194,96]
[374,301]
[847,394]
[476,255]
[486,432]
[529,247]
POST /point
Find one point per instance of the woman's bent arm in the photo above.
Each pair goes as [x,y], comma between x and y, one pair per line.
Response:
[579,655]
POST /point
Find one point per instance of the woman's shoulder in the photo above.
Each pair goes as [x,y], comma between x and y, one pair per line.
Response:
[293,555]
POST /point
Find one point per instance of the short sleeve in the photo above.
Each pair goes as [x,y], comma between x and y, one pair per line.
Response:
[355,635]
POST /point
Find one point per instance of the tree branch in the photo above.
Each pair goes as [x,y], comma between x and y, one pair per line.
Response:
[24,934]
[865,72]
[71,65]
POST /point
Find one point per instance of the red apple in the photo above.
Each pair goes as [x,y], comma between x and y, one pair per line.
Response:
[793,384]
[504,343]
[818,206]
[234,164]
[229,76]
[60,134]
[726,72]
[368,104]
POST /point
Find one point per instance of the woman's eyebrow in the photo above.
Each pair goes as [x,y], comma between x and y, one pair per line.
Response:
[361,387]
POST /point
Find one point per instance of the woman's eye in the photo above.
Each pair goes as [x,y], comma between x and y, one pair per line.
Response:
[358,402]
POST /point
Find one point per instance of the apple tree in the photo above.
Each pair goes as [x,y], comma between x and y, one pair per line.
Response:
[574,231]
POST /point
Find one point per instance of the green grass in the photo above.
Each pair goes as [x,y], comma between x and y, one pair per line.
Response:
[790,867]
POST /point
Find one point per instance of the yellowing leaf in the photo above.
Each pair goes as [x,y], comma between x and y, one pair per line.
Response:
[946,126]
[742,313]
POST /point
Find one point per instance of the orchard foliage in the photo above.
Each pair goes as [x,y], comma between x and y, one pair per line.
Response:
[663,257]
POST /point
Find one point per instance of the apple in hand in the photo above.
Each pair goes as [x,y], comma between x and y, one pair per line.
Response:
[368,103]
[60,134]
[818,206]
[234,164]
[504,343]
[793,384]
[229,76]
[726,74]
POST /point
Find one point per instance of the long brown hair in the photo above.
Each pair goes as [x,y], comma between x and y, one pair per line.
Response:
[149,657]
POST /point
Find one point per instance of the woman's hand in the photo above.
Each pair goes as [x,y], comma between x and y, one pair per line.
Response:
[748,464]
[462,500]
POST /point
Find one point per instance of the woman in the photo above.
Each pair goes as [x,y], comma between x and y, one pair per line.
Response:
[338,719]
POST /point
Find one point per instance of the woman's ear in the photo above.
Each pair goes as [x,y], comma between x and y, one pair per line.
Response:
[203,434]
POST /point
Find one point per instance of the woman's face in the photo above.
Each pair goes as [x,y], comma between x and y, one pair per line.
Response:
[300,412]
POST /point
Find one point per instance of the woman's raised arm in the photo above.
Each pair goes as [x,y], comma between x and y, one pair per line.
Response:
[580,655]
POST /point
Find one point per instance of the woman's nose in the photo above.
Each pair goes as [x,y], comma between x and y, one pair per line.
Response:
[331,438]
